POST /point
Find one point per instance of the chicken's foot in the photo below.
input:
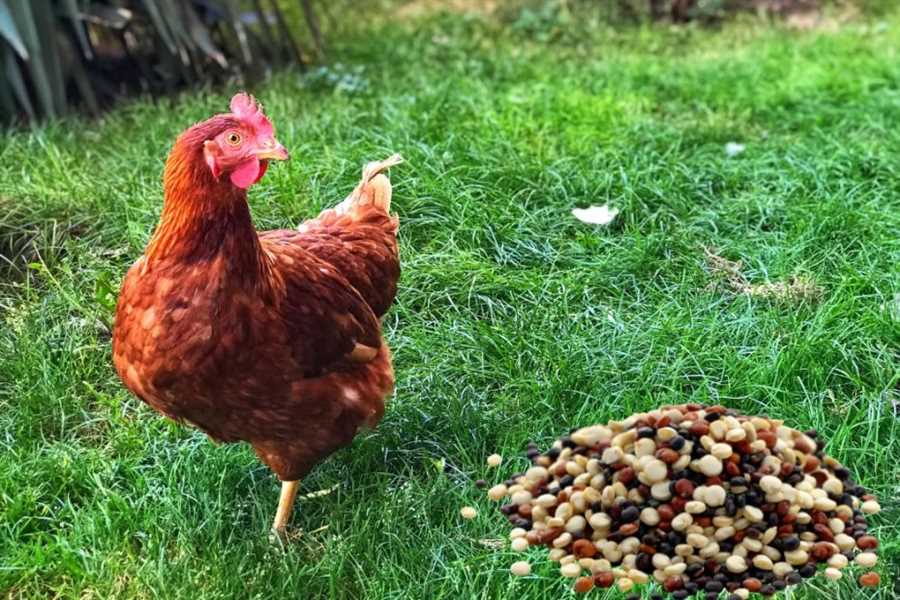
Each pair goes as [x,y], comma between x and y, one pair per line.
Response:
[285,505]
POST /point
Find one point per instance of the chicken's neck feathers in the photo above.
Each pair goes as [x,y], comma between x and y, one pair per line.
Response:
[203,217]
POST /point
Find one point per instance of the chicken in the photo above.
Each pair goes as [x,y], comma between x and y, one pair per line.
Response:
[271,338]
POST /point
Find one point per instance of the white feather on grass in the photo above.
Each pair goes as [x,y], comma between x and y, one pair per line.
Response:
[596,215]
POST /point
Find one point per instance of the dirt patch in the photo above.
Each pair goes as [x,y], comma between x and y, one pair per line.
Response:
[727,276]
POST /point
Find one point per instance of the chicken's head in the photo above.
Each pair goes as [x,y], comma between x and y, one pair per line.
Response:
[244,145]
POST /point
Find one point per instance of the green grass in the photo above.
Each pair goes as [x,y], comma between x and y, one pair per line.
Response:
[513,320]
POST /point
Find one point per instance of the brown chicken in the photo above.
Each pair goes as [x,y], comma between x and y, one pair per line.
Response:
[272,338]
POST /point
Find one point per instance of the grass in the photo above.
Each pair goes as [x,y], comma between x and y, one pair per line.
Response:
[513,321]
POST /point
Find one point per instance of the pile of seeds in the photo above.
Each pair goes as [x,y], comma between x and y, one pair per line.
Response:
[699,499]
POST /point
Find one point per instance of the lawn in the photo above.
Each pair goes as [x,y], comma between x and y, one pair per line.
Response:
[514,321]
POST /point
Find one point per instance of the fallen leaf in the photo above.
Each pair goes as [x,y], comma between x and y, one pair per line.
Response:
[595,215]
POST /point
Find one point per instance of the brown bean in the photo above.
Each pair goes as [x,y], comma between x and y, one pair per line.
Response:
[752,584]
[583,549]
[867,542]
[699,428]
[584,584]
[604,579]
[870,579]
[673,583]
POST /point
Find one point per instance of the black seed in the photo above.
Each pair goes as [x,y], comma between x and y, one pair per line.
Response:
[812,433]
[553,453]
[779,584]
[842,473]
[793,578]
[807,571]
[567,442]
[767,590]
[643,562]
[790,543]
[630,515]
[680,594]
[646,432]
[676,443]
[566,480]
[710,417]
[481,483]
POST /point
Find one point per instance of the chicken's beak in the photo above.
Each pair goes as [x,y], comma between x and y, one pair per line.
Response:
[272,151]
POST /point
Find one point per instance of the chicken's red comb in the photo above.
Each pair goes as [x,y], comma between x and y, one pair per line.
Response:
[245,108]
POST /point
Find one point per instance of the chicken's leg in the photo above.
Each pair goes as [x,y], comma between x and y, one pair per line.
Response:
[285,505]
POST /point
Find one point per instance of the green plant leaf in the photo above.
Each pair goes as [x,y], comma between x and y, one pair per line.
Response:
[24,18]
[70,7]
[10,32]
[50,52]
[240,31]
[162,26]
[17,82]
[199,35]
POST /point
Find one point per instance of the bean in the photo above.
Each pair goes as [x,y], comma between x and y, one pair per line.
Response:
[736,564]
[519,544]
[870,579]
[584,584]
[866,559]
[468,512]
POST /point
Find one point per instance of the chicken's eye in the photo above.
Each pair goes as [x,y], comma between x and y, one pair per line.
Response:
[233,138]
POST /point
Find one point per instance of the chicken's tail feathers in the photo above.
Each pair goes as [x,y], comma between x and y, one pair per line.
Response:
[374,187]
